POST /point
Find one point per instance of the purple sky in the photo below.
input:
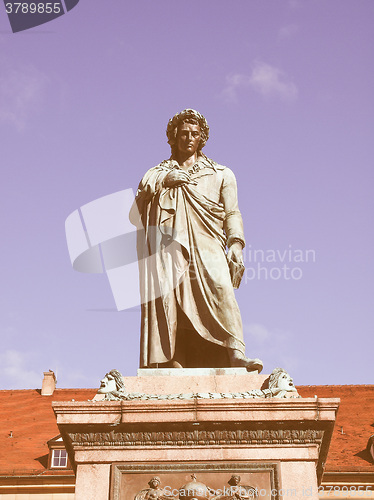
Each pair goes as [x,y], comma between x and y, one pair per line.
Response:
[287,89]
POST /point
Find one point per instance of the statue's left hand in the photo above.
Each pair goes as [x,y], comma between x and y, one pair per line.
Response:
[235,253]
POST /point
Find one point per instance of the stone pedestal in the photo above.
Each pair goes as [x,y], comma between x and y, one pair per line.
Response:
[277,446]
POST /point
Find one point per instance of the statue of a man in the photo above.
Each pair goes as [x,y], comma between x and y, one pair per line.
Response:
[190,241]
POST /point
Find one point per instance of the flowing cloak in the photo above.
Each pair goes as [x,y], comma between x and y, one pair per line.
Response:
[182,237]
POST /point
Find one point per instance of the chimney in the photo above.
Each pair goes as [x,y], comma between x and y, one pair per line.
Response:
[49,383]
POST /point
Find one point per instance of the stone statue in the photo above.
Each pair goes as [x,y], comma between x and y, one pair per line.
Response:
[194,490]
[236,491]
[280,386]
[112,386]
[187,214]
[154,492]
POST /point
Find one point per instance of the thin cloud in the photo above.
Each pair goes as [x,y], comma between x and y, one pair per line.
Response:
[271,81]
[261,333]
[233,83]
[279,346]
[21,91]
[294,4]
[13,368]
[257,332]
[288,31]
[267,80]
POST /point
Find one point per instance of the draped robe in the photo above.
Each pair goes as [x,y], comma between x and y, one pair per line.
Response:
[184,275]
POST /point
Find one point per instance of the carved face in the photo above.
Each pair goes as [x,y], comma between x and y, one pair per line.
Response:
[188,138]
[154,483]
[235,480]
[285,382]
[107,384]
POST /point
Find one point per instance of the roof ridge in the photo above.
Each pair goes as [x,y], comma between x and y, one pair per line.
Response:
[336,385]
[57,389]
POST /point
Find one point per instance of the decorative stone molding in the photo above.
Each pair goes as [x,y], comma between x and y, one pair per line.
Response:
[222,472]
[242,429]
[198,437]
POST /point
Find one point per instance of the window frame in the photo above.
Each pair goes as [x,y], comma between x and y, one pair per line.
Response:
[55,451]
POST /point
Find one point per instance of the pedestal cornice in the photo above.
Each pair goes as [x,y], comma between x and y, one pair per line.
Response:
[109,412]
[104,430]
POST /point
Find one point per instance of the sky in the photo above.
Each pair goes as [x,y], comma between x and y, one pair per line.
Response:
[287,89]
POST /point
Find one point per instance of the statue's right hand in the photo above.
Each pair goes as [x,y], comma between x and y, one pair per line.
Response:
[176,177]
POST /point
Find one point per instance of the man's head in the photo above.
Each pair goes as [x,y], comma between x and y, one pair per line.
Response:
[112,382]
[154,482]
[234,480]
[187,120]
[280,379]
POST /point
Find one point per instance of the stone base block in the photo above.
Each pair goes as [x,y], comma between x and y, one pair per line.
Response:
[178,380]
[276,446]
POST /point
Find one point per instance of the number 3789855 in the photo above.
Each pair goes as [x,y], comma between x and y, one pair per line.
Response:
[33,8]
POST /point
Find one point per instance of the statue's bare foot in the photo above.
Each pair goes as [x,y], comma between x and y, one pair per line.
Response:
[239,359]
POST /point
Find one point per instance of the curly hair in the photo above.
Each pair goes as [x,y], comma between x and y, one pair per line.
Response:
[154,479]
[187,116]
[274,377]
[118,379]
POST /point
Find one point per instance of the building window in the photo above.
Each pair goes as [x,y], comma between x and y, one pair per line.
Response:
[59,458]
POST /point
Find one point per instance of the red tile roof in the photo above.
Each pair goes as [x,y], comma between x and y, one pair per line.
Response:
[353,428]
[30,418]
